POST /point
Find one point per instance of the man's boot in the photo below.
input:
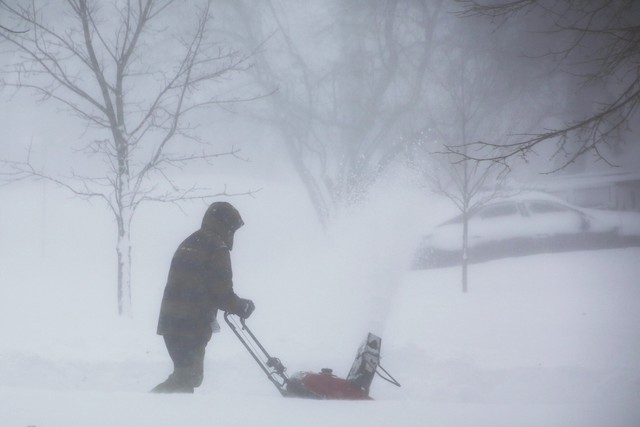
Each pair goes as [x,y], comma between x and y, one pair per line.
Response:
[176,383]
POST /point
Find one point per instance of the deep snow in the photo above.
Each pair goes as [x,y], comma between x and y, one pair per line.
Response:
[545,340]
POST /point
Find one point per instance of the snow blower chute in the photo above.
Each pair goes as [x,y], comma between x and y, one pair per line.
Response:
[316,385]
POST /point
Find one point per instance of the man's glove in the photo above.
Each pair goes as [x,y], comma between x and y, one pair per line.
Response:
[245,308]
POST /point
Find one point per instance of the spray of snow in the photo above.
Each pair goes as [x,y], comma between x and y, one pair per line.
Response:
[549,340]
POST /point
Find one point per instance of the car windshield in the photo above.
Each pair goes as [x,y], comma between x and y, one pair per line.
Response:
[494,211]
[546,207]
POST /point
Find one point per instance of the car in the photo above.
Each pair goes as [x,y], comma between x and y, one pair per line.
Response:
[524,224]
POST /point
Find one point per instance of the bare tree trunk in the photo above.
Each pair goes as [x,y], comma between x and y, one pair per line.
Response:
[313,189]
[466,198]
[123,249]
[465,252]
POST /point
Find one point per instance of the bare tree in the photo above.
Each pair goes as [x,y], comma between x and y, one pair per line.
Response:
[472,95]
[291,105]
[597,42]
[468,184]
[384,53]
[113,66]
[346,87]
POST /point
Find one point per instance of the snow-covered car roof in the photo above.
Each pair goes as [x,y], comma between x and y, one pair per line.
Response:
[518,197]
[522,196]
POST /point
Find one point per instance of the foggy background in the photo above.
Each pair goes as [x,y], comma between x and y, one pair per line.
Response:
[341,130]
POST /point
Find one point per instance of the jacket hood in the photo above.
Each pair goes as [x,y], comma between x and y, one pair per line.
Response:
[222,219]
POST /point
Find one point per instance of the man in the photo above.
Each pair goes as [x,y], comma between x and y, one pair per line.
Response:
[199,284]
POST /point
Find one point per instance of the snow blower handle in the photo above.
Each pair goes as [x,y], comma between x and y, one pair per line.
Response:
[271,366]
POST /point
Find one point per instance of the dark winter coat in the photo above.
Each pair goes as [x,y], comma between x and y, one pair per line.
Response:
[199,283]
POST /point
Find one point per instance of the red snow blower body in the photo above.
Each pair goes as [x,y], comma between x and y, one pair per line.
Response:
[316,385]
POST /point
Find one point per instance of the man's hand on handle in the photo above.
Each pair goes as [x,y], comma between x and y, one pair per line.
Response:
[245,308]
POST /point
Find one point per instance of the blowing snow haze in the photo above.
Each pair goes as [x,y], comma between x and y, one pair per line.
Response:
[345,133]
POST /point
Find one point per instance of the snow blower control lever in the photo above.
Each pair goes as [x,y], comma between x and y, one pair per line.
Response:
[323,385]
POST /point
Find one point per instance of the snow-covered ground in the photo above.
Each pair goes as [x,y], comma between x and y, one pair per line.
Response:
[545,340]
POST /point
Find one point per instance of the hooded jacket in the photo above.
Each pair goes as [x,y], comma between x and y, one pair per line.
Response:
[200,278]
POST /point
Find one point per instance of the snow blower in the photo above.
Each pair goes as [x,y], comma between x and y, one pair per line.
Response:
[316,385]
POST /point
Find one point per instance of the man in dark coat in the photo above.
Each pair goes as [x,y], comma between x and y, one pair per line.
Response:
[199,284]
